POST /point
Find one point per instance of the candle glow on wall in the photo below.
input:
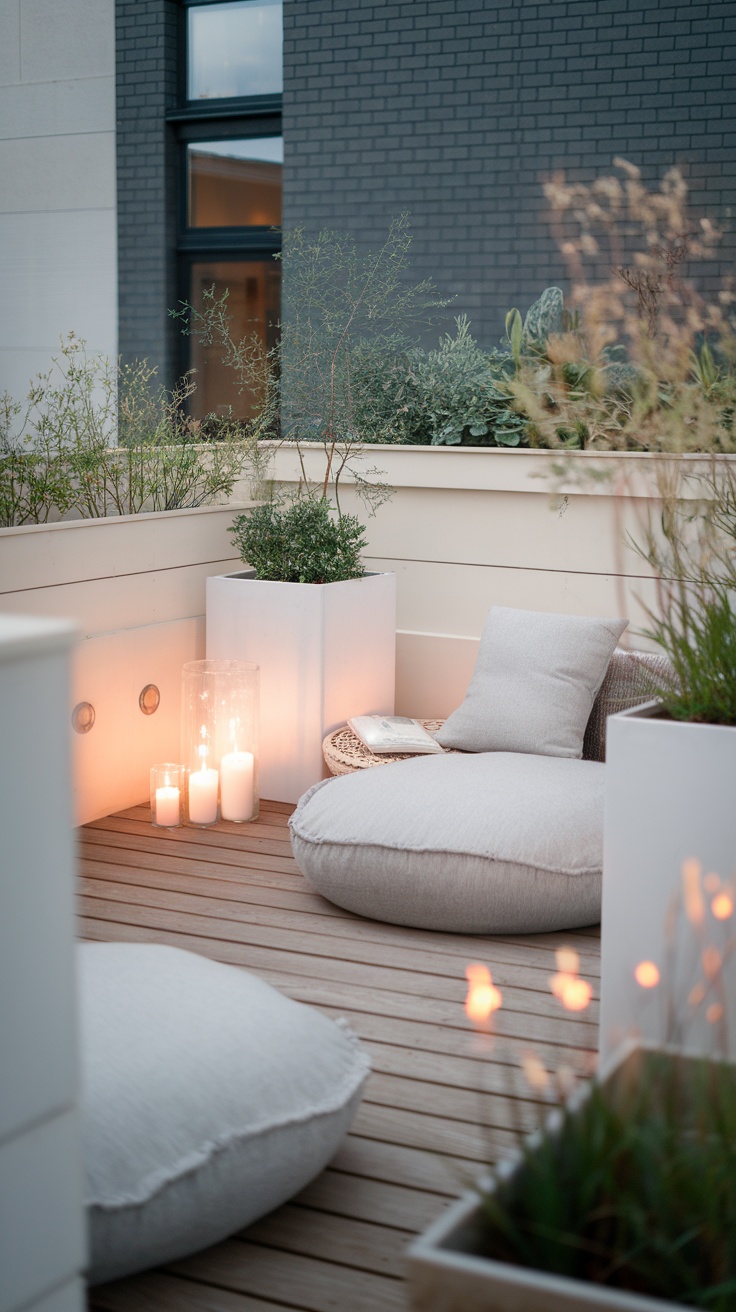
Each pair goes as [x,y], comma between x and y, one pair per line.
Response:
[220,740]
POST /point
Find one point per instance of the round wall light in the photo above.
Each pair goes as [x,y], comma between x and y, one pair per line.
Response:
[149,699]
[83,717]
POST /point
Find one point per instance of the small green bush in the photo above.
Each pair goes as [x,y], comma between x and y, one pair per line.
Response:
[300,542]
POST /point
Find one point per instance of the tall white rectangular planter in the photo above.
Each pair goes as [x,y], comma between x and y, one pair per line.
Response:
[669,797]
[327,651]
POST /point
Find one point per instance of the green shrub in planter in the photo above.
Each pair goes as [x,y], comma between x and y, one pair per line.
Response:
[300,542]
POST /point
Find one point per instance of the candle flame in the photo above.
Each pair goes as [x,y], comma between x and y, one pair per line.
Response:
[483,996]
[647,975]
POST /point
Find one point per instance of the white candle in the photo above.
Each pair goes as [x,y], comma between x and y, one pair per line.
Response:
[237,800]
[203,796]
[167,806]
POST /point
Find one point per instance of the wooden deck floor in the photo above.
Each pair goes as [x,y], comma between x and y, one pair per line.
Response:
[440,1100]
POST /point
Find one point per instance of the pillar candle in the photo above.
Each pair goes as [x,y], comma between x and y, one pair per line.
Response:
[237,799]
[203,797]
[167,806]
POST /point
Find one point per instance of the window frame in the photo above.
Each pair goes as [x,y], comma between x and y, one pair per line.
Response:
[215,120]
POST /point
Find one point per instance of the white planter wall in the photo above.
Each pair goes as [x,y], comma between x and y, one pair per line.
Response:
[326,652]
[42,1237]
[669,797]
[469,528]
[58,261]
[135,587]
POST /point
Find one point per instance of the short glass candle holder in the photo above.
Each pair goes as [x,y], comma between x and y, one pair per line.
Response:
[168,795]
[219,740]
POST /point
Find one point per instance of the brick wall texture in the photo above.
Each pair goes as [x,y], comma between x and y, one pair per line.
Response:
[146,89]
[456,110]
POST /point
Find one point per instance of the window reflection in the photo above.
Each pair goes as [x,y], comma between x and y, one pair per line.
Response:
[235,183]
[234,49]
[254,303]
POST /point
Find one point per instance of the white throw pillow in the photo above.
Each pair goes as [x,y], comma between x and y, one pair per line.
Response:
[208,1099]
[534,683]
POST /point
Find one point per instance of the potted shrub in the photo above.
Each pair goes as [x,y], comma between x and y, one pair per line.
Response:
[322,630]
[625,1196]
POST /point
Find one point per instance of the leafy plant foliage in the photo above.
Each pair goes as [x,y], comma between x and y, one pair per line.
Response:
[95,439]
[300,542]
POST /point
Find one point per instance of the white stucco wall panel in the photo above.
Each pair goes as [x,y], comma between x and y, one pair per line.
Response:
[58,237]
[75,39]
[10,44]
[63,109]
[58,173]
[58,273]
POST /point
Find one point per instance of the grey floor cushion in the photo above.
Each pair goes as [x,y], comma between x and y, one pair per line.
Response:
[208,1099]
[490,842]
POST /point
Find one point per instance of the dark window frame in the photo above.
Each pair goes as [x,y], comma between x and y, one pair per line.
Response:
[219,120]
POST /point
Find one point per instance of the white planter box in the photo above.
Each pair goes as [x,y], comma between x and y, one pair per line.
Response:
[326,652]
[446,1274]
[669,797]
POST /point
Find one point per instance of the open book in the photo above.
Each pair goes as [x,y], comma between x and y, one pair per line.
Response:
[392,733]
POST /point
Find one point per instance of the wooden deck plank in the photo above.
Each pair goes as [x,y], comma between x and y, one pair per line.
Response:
[441,1099]
[317,934]
[304,951]
[341,1194]
[319,1286]
[366,1245]
[283,971]
[159,1291]
[250,885]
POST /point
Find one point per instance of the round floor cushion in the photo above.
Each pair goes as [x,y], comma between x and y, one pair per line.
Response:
[476,843]
[208,1099]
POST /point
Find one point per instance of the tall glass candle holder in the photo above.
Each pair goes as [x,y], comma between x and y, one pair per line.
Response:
[219,740]
[168,794]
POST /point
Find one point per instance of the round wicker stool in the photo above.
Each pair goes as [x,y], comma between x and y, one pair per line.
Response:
[344,752]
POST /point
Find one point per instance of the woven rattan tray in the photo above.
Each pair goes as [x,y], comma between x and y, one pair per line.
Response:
[344,752]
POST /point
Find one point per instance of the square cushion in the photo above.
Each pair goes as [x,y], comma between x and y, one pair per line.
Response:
[534,683]
[208,1099]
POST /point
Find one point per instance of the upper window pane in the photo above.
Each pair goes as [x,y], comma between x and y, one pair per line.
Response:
[235,49]
[235,183]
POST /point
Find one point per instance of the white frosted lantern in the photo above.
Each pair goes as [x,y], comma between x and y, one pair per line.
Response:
[219,740]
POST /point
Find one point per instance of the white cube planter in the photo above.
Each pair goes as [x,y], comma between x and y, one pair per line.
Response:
[327,651]
[669,797]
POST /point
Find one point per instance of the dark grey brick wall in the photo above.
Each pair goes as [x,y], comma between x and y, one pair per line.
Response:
[456,110]
[146,87]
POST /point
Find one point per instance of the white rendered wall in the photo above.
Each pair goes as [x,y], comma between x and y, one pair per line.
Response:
[58,249]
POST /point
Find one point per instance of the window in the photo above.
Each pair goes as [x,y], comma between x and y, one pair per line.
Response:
[234,49]
[235,183]
[228,125]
